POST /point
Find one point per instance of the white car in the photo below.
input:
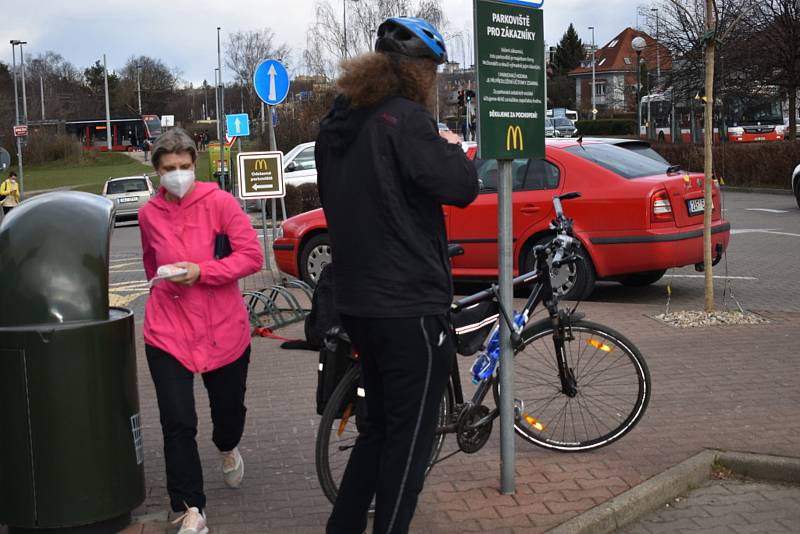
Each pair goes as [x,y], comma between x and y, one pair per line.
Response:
[796,184]
[299,165]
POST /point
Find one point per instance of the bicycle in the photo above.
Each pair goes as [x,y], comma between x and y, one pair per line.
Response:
[579,385]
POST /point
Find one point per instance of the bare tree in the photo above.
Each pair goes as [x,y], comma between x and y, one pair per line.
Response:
[330,41]
[775,40]
[244,51]
[158,85]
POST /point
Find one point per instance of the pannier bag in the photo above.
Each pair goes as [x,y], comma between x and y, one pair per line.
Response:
[335,359]
[473,324]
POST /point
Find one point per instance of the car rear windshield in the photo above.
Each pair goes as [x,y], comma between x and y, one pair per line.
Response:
[126,186]
[626,163]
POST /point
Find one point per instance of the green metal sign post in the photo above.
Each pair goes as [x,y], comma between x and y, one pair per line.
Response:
[510,51]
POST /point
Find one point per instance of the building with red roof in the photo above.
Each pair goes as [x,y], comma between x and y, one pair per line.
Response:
[615,73]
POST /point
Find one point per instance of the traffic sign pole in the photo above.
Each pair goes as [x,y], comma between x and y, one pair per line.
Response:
[510,72]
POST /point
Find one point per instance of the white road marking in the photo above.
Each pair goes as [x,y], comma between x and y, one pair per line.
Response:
[773,231]
[115,271]
[715,276]
[768,210]
[117,266]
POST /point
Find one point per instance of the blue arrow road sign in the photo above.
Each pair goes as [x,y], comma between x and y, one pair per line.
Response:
[271,81]
[237,125]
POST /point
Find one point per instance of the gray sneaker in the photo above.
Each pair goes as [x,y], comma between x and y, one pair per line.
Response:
[193,521]
[232,468]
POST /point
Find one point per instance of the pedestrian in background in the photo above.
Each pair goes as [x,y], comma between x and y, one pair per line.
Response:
[196,322]
[384,174]
[9,191]
[145,148]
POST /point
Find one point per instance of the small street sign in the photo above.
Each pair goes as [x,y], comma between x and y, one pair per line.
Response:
[21,130]
[260,174]
[510,61]
[238,125]
[271,81]
[167,121]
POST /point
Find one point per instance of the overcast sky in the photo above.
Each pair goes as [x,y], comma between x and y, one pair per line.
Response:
[182,33]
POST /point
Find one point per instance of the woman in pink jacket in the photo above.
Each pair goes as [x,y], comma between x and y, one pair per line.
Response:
[195,320]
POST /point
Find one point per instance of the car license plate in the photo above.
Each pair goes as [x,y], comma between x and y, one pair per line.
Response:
[696,206]
[761,138]
[128,199]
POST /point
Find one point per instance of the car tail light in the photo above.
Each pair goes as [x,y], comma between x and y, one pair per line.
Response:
[661,207]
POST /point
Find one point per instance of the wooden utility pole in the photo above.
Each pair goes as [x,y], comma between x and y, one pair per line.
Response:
[708,135]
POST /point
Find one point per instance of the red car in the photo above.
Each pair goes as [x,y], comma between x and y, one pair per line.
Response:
[636,218]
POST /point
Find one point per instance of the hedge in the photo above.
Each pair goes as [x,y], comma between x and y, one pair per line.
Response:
[606,127]
[746,164]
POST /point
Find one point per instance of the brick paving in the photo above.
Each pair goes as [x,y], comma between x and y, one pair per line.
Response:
[726,387]
[728,507]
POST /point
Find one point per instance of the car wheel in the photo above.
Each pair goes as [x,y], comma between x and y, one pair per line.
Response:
[797,192]
[572,282]
[315,255]
[642,279]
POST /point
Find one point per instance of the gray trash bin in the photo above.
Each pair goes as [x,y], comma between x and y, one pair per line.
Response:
[71,447]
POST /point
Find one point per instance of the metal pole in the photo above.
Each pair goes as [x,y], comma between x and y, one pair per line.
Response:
[344,27]
[273,145]
[139,86]
[504,261]
[108,108]
[594,87]
[16,106]
[262,118]
[658,54]
[41,92]
[221,111]
[639,92]
[24,97]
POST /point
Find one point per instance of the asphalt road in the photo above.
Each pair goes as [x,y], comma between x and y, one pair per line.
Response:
[761,270]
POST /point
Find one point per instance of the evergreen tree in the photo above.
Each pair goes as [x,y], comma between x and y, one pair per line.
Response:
[569,52]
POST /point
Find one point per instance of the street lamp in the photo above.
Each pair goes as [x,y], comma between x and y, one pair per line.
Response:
[594,88]
[638,44]
[139,86]
[14,43]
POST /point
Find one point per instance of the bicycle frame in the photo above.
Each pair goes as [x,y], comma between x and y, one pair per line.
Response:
[542,292]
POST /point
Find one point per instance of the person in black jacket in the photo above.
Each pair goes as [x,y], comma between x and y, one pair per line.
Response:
[384,173]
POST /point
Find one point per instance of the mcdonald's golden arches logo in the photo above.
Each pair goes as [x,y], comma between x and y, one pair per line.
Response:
[261,165]
[514,137]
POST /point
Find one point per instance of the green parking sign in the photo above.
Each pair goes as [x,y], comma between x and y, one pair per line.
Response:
[511,74]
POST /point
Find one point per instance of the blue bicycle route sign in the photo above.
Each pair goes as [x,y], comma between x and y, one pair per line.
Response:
[271,81]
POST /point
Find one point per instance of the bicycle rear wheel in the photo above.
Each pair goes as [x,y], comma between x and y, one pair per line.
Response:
[342,421]
[613,387]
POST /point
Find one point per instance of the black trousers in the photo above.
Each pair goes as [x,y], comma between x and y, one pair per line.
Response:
[405,364]
[174,383]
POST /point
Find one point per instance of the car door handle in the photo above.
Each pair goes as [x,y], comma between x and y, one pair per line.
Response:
[530,209]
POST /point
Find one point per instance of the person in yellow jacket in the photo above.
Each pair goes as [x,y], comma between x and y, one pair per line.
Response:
[9,189]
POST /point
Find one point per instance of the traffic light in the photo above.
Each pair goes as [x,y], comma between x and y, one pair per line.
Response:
[460,97]
[470,95]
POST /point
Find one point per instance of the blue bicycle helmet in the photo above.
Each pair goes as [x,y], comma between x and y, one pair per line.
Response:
[411,37]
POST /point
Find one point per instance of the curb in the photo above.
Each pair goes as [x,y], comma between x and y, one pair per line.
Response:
[763,190]
[662,488]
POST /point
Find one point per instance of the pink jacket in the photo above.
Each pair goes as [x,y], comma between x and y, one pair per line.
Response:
[204,326]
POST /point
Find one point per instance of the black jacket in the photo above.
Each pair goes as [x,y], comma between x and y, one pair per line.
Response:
[383,174]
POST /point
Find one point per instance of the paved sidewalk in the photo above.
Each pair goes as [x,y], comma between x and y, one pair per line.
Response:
[734,388]
[728,507]
[726,387]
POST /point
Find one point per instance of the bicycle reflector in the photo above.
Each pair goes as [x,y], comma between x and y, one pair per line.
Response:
[534,423]
[599,345]
[345,417]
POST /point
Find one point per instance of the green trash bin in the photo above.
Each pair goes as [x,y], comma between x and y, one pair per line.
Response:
[70,433]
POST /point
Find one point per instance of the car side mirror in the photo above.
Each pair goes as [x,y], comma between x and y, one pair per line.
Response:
[291,167]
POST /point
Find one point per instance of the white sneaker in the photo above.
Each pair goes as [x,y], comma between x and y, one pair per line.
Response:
[193,522]
[232,468]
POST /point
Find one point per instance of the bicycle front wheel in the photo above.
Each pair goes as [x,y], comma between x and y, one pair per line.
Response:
[344,418]
[611,378]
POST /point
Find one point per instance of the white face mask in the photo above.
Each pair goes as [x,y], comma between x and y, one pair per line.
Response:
[178,182]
